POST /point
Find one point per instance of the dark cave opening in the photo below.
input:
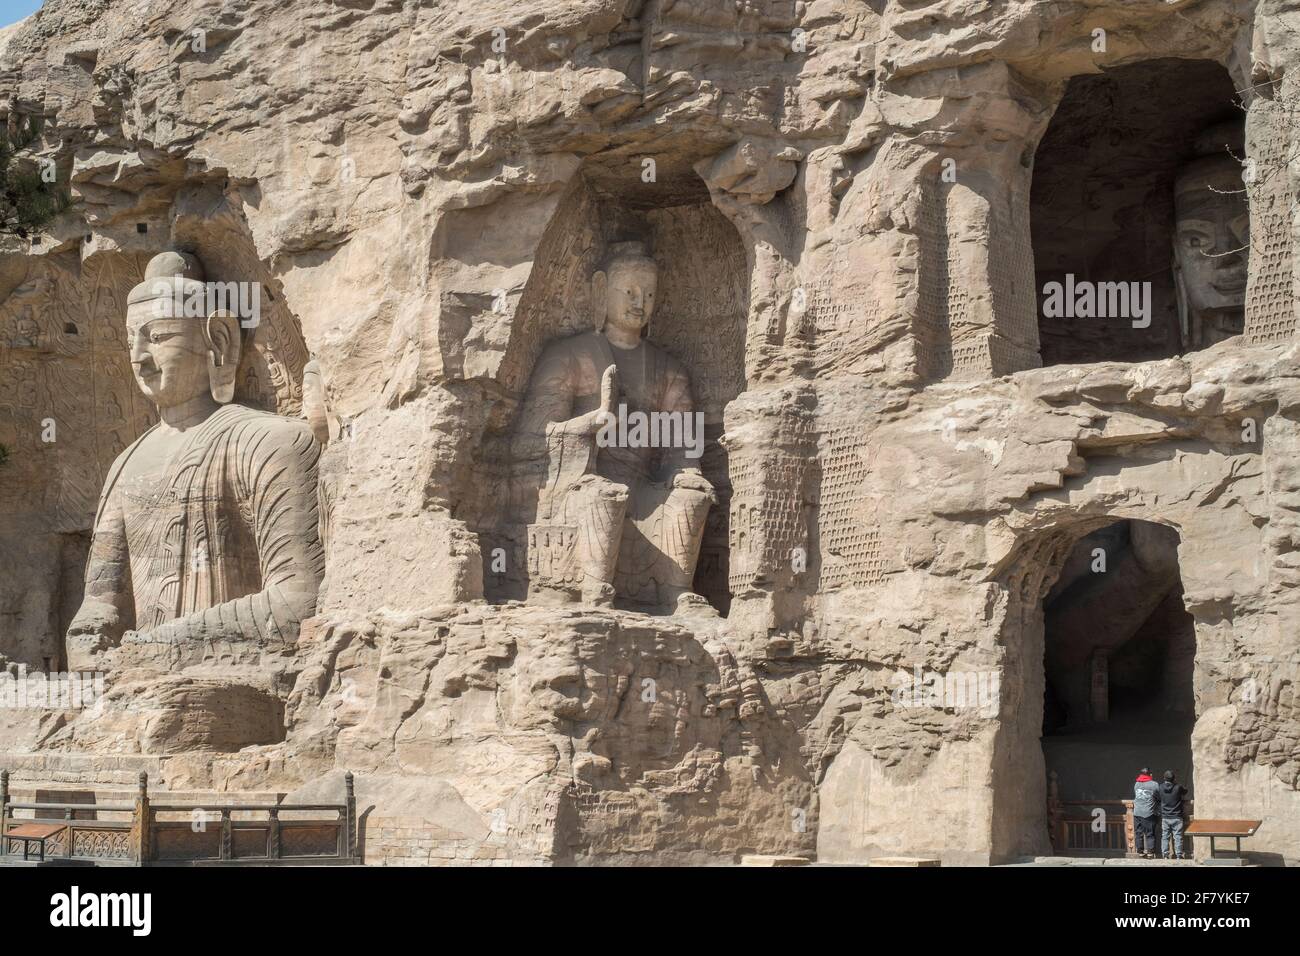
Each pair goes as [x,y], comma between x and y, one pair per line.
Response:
[1119,653]
[1139,215]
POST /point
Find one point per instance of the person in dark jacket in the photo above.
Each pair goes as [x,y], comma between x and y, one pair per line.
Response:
[1146,803]
[1171,815]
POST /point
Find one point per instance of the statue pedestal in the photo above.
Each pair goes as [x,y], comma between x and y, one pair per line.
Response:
[478,734]
[552,734]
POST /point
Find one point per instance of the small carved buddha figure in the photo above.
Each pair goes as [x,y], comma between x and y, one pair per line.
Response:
[628,513]
[1211,243]
[207,524]
[27,334]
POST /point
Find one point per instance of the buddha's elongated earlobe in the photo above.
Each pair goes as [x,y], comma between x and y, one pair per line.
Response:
[221,330]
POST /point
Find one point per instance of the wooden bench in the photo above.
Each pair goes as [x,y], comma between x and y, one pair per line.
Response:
[34,832]
[1234,829]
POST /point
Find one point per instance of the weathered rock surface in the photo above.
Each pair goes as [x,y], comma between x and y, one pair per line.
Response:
[838,199]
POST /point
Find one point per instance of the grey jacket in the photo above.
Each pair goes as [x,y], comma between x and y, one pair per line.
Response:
[1145,798]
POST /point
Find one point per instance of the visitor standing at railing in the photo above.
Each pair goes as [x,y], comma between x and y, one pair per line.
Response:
[1171,814]
[1145,804]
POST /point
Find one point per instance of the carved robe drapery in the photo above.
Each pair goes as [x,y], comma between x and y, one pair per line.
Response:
[628,518]
[566,383]
[226,543]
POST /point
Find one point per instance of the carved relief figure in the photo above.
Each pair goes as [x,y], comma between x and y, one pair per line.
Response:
[207,524]
[614,516]
[1211,242]
[27,334]
[29,301]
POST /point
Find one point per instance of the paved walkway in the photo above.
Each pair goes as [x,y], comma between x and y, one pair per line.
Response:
[1098,861]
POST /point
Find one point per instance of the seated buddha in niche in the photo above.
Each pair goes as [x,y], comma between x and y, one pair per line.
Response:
[615,515]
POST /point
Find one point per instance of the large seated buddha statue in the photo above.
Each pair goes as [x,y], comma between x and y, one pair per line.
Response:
[206,532]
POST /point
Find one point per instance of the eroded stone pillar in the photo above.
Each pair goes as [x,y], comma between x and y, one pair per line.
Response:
[976,310]
[1270,283]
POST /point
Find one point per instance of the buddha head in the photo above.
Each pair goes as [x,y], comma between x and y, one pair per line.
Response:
[623,293]
[179,349]
[1211,243]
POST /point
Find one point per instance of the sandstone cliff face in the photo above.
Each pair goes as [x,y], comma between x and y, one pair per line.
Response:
[838,194]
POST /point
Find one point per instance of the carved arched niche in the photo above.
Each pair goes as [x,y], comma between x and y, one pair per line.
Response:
[699,319]
[1103,210]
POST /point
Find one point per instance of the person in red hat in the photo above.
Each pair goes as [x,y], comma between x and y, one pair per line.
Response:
[1146,803]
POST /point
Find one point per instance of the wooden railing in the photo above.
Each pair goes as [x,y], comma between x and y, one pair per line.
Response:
[144,833]
[1083,830]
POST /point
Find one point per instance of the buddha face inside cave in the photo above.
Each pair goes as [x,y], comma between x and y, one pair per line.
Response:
[630,294]
[1212,238]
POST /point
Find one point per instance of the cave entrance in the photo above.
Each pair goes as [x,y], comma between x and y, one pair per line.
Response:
[1118,655]
[1139,214]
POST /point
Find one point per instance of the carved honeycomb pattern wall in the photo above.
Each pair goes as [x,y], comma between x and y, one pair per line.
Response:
[746,495]
[827,313]
[1011,283]
[951,339]
[943,303]
[1006,357]
[767,520]
[1270,298]
[841,318]
[851,550]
